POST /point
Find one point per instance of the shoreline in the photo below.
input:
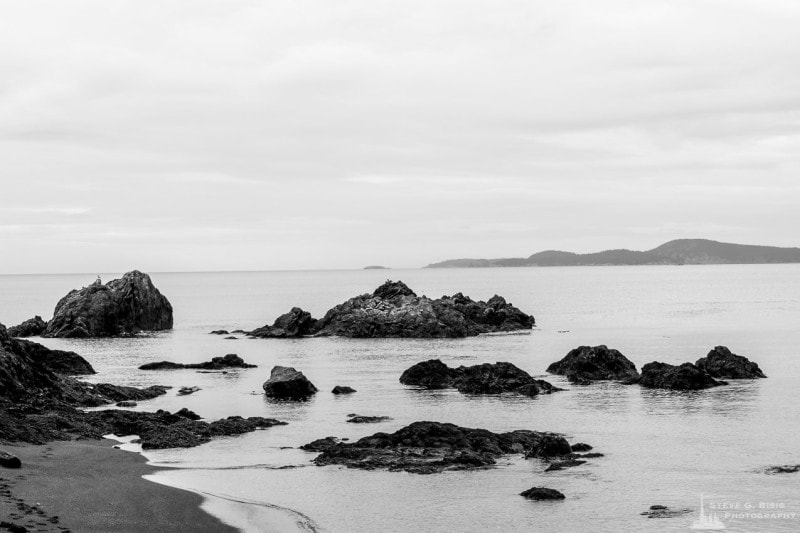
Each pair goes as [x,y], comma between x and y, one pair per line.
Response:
[93,486]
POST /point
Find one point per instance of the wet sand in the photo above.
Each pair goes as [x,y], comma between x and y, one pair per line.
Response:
[90,486]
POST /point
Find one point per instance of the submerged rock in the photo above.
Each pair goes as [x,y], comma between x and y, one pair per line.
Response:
[687,376]
[361,419]
[722,364]
[230,360]
[30,328]
[662,511]
[561,465]
[542,493]
[581,447]
[591,363]
[487,378]
[288,383]
[428,447]
[122,307]
[394,310]
[783,469]
[343,389]
[219,332]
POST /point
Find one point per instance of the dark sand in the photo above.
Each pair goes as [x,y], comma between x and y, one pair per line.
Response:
[89,486]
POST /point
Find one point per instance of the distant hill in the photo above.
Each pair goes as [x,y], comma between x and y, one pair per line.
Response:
[677,252]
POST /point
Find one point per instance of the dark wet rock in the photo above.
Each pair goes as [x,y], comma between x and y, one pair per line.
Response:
[430,447]
[12,527]
[581,447]
[561,465]
[230,360]
[219,332]
[241,331]
[542,493]
[58,361]
[720,363]
[183,391]
[343,389]
[394,310]
[592,455]
[231,338]
[591,363]
[783,469]
[548,446]
[30,328]
[9,461]
[120,393]
[295,323]
[662,511]
[361,419]
[126,403]
[186,413]
[320,444]
[124,306]
[486,378]
[687,376]
[288,383]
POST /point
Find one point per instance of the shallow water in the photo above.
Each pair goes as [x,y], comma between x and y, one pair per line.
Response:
[660,447]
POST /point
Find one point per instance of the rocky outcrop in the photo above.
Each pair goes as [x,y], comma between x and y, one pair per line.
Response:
[720,363]
[542,493]
[30,328]
[288,383]
[343,389]
[592,363]
[782,469]
[230,360]
[295,323]
[394,310]
[431,447]
[487,378]
[58,361]
[122,307]
[687,376]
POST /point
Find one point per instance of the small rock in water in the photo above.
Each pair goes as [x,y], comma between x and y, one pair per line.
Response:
[359,419]
[183,391]
[288,383]
[662,511]
[581,447]
[720,363]
[561,465]
[783,469]
[343,389]
[218,332]
[542,493]
[10,461]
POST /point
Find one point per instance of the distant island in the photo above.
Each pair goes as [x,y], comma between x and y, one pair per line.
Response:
[677,252]
[375,267]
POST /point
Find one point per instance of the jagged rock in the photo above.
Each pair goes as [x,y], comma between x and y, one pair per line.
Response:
[428,447]
[9,461]
[219,332]
[343,389]
[548,446]
[320,444]
[186,413]
[486,378]
[30,328]
[561,465]
[783,469]
[394,310]
[58,361]
[662,511]
[720,363]
[687,376]
[591,363]
[295,323]
[122,307]
[183,391]
[581,447]
[361,419]
[230,360]
[288,383]
[542,493]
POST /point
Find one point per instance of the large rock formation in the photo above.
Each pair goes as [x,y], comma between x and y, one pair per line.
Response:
[230,360]
[58,361]
[30,328]
[430,447]
[720,363]
[394,310]
[287,383]
[591,363]
[687,376]
[122,307]
[487,378]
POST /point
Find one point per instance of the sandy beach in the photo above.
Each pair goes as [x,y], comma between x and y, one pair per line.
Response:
[90,486]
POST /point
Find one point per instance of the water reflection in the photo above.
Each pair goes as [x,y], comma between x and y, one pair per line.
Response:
[737,400]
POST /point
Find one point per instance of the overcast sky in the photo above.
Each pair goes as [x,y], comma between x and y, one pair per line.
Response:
[249,135]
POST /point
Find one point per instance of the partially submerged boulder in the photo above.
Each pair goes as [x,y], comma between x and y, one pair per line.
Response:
[687,376]
[230,360]
[394,310]
[124,306]
[364,419]
[592,363]
[662,511]
[343,389]
[487,378]
[30,328]
[288,383]
[429,447]
[720,363]
[542,493]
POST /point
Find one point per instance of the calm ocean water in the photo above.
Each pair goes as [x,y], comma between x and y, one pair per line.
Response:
[660,447]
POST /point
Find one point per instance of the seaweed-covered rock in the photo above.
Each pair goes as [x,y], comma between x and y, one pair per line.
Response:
[428,447]
[542,493]
[288,383]
[720,363]
[591,363]
[230,360]
[687,376]
[122,307]
[30,328]
[487,378]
